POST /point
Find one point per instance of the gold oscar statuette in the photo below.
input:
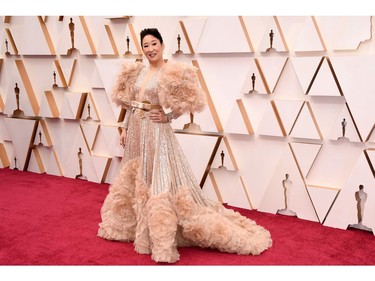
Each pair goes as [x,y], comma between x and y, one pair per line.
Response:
[253,91]
[88,113]
[127,46]
[71,30]
[361,198]
[222,155]
[179,51]
[287,185]
[80,162]
[271,48]
[6,47]
[17,112]
[40,139]
[54,80]
[15,163]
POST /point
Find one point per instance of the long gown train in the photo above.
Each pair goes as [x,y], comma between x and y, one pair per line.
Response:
[156,202]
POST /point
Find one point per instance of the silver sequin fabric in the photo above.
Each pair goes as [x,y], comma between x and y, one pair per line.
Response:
[164,165]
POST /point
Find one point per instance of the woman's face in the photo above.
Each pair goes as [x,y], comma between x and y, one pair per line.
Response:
[152,48]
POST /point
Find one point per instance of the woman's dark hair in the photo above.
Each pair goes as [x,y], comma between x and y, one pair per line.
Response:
[151,31]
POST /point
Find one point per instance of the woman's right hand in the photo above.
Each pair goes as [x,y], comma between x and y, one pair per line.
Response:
[123,137]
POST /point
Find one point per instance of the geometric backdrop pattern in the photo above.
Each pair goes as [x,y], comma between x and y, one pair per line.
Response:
[286,96]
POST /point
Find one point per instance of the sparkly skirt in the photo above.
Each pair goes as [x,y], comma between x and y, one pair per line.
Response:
[156,202]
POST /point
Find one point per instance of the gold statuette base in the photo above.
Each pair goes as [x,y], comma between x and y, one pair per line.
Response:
[286,212]
[271,50]
[192,127]
[18,113]
[81,177]
[360,226]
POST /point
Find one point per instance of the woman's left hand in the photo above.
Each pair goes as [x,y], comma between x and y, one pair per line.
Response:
[158,116]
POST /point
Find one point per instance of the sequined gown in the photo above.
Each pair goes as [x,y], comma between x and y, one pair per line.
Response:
[155,201]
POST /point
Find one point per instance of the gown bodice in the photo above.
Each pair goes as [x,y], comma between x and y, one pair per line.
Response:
[150,91]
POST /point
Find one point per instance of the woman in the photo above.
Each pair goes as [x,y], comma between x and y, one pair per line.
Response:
[155,200]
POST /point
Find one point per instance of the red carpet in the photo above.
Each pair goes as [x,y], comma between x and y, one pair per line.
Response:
[50,220]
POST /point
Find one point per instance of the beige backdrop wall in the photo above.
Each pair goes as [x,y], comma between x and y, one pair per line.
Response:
[320,72]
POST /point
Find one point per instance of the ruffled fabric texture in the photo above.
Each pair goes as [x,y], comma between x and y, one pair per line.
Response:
[179,87]
[123,90]
[160,224]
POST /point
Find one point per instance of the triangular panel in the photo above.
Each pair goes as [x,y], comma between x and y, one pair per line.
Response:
[270,126]
[293,197]
[17,91]
[255,107]
[49,106]
[288,111]
[231,190]
[231,40]
[345,210]
[21,132]
[305,125]
[305,68]
[90,131]
[221,93]
[78,36]
[29,43]
[36,164]
[96,81]
[334,163]
[113,170]
[256,163]
[305,154]
[309,37]
[90,112]
[344,33]
[257,28]
[108,142]
[101,166]
[272,68]
[324,83]
[224,157]
[273,36]
[322,199]
[210,189]
[42,136]
[65,69]
[288,87]
[238,122]
[194,27]
[198,155]
[100,35]
[180,43]
[355,76]
[52,163]
[344,127]
[327,111]
[254,80]
[72,106]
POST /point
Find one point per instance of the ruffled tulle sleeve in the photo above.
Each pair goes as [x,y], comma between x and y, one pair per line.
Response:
[122,91]
[179,88]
